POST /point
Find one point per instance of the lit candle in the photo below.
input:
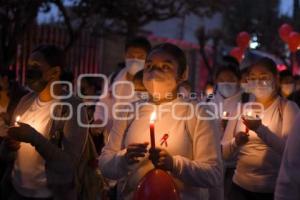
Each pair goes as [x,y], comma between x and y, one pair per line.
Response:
[225,114]
[152,133]
[17,120]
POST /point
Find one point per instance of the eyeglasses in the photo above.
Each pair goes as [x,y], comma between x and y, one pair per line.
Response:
[255,83]
[259,78]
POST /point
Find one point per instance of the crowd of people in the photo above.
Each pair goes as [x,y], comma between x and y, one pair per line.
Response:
[239,141]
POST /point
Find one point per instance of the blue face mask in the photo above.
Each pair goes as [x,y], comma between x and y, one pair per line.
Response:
[227,89]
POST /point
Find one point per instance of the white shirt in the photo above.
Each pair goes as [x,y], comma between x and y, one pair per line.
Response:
[219,105]
[193,143]
[288,182]
[121,90]
[28,176]
[259,160]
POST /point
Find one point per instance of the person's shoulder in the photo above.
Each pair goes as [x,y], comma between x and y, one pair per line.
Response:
[289,104]
[29,97]
[199,108]
[73,100]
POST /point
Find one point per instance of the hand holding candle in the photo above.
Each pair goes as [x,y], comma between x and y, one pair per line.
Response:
[251,122]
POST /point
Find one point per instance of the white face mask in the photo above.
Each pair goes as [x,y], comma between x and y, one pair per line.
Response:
[227,89]
[245,87]
[183,91]
[261,89]
[134,65]
[139,95]
[160,85]
[287,89]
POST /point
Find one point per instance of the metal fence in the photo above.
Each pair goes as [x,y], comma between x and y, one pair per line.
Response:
[82,57]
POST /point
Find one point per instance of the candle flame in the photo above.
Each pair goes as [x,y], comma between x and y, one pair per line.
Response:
[225,114]
[249,113]
[152,117]
[17,120]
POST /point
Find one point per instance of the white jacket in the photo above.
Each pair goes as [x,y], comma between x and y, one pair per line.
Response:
[193,143]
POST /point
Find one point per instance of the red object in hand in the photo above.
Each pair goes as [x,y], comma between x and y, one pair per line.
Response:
[156,185]
[284,32]
[152,135]
[247,130]
[243,40]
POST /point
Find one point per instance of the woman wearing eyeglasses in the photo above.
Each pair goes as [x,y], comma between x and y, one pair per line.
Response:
[258,141]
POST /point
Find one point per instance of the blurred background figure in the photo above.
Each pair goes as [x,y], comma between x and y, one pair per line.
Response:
[297,82]
[288,86]
[11,91]
[67,76]
[288,182]
[91,86]
[140,92]
[208,91]
[287,83]
[136,50]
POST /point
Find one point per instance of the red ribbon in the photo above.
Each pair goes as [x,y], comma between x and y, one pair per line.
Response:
[164,139]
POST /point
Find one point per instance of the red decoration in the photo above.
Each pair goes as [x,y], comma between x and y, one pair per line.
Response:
[158,185]
[164,140]
[243,40]
[294,41]
[284,32]
[237,53]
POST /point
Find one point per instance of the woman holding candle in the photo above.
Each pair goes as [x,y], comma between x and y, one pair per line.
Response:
[260,150]
[185,148]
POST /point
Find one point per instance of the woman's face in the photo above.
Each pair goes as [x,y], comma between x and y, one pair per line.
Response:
[39,73]
[263,83]
[160,65]
[160,74]
[261,73]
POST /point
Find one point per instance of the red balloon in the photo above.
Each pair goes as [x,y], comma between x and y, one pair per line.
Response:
[243,40]
[284,32]
[237,53]
[294,41]
[156,185]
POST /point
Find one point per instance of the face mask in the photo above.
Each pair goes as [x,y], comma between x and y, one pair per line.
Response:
[183,91]
[227,89]
[134,65]
[261,89]
[287,89]
[35,81]
[245,87]
[160,85]
[139,95]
